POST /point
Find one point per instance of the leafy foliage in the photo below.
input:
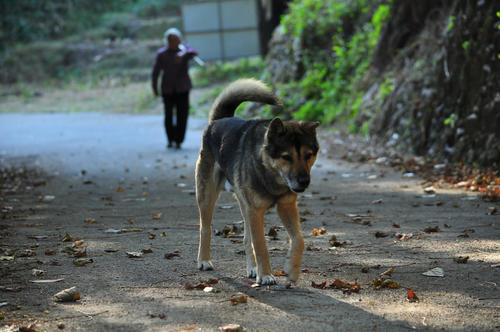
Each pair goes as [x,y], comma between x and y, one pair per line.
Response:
[351,30]
[31,20]
[224,71]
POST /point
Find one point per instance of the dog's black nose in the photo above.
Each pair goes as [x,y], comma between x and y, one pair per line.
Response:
[303,181]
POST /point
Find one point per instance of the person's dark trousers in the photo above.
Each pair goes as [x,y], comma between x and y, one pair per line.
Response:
[177,131]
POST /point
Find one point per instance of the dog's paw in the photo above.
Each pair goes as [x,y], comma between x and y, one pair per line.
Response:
[205,265]
[292,275]
[266,280]
[251,272]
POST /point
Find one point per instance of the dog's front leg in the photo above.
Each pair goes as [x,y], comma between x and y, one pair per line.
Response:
[254,217]
[249,251]
[289,214]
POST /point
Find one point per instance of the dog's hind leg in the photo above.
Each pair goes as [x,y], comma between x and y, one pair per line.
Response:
[289,214]
[247,240]
[208,187]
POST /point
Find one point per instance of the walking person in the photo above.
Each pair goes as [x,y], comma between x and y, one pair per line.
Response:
[173,62]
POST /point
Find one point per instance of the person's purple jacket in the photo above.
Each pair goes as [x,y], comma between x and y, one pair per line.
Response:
[174,65]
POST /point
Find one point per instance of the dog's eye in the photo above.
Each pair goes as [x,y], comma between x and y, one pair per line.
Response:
[308,156]
[286,157]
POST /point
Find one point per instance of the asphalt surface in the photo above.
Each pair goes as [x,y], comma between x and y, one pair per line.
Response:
[111,182]
[68,143]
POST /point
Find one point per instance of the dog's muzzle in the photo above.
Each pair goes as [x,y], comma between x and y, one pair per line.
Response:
[298,184]
[301,184]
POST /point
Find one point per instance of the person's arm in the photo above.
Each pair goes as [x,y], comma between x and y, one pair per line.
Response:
[188,52]
[155,74]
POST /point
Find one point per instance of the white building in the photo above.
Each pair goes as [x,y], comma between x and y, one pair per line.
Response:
[227,29]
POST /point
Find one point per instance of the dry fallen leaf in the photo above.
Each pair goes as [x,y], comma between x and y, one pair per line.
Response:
[309,248]
[79,244]
[411,297]
[112,230]
[211,289]
[431,229]
[345,286]
[317,232]
[81,253]
[90,220]
[130,230]
[50,252]
[430,190]
[134,254]
[69,250]
[320,285]
[231,328]
[381,234]
[157,215]
[37,237]
[279,273]
[82,261]
[38,273]
[29,328]
[200,286]
[339,284]
[403,236]
[27,253]
[170,255]
[461,259]
[385,283]
[388,272]
[67,238]
[68,295]
[239,299]
[119,189]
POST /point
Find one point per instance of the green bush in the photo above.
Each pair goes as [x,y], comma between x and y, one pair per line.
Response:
[332,73]
[223,71]
[155,8]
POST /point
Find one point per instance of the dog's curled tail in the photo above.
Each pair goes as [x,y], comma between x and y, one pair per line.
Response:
[247,89]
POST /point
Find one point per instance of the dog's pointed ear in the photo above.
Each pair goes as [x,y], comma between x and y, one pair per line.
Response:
[276,128]
[311,126]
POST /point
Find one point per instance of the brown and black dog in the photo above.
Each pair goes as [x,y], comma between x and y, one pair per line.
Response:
[266,162]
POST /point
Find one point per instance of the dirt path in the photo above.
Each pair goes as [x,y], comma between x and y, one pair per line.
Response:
[115,170]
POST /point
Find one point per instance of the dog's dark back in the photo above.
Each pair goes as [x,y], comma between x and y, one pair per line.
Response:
[232,139]
[237,144]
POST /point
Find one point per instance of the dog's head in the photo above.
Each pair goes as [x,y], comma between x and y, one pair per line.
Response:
[292,148]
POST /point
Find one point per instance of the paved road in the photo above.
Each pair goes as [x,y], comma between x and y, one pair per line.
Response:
[69,143]
[130,179]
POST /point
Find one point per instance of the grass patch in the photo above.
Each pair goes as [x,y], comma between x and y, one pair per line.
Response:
[131,98]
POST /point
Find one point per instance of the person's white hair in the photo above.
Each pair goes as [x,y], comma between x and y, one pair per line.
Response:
[172,31]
